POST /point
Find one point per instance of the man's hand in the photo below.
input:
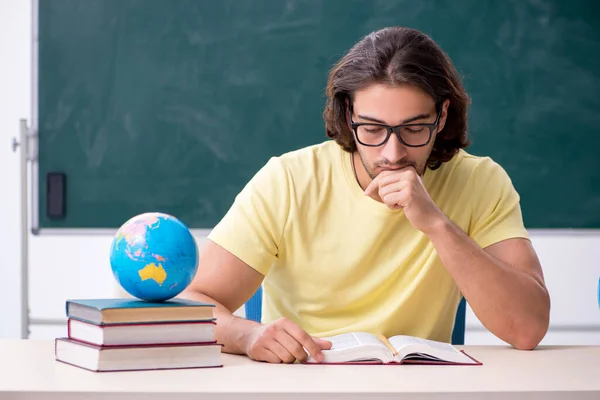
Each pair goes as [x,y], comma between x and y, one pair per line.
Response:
[283,341]
[404,188]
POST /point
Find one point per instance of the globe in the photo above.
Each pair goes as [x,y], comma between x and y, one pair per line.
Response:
[154,256]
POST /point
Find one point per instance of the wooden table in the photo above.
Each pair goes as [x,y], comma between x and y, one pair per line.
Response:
[28,371]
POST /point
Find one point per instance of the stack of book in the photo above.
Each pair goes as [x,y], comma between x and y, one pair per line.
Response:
[126,334]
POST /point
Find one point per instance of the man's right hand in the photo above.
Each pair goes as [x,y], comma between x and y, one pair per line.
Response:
[283,341]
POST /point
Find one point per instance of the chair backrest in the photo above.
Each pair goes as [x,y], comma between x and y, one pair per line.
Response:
[254,313]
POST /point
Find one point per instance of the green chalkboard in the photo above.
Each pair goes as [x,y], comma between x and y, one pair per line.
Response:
[172,105]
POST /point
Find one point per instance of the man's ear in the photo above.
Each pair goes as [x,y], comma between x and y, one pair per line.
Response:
[444,115]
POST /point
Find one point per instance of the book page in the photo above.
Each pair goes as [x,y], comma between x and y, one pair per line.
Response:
[410,347]
[355,347]
[401,341]
[354,339]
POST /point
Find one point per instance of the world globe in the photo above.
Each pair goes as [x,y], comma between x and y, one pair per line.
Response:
[154,256]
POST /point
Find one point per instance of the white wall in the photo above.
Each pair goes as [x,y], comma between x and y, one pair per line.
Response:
[15,30]
[64,267]
[571,268]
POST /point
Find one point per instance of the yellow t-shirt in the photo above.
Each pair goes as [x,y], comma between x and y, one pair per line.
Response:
[337,261]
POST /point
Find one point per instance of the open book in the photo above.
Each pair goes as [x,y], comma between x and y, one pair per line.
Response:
[365,348]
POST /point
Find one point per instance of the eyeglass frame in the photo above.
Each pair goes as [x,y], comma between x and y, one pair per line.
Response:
[394,129]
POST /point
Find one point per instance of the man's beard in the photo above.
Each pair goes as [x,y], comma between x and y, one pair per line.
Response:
[371,171]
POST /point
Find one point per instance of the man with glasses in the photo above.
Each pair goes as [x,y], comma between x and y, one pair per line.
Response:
[382,229]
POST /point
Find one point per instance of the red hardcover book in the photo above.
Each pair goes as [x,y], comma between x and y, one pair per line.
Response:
[137,358]
[365,348]
[141,334]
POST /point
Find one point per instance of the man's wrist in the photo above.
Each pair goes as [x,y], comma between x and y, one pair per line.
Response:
[440,227]
[241,331]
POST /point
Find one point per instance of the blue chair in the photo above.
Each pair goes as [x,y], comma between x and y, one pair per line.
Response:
[254,313]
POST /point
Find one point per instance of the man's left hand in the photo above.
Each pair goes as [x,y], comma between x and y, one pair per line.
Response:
[404,188]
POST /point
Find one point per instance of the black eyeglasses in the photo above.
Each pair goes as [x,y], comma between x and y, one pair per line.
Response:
[411,135]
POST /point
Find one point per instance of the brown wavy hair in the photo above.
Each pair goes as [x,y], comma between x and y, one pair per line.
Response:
[397,56]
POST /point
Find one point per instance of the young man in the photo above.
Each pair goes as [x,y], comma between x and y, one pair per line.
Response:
[381,229]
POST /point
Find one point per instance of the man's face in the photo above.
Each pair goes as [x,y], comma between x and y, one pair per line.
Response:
[393,106]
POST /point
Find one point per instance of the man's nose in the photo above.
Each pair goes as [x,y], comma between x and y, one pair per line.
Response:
[393,150]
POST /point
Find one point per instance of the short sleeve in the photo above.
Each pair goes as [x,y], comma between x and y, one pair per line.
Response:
[252,227]
[496,205]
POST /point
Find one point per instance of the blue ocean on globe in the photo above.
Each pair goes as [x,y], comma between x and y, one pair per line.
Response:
[154,256]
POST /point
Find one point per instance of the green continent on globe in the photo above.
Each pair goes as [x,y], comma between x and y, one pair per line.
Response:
[136,227]
[154,272]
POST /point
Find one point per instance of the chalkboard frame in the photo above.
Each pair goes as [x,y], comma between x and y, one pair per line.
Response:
[35,177]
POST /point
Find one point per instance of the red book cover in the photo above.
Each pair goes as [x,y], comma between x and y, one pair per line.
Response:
[85,332]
